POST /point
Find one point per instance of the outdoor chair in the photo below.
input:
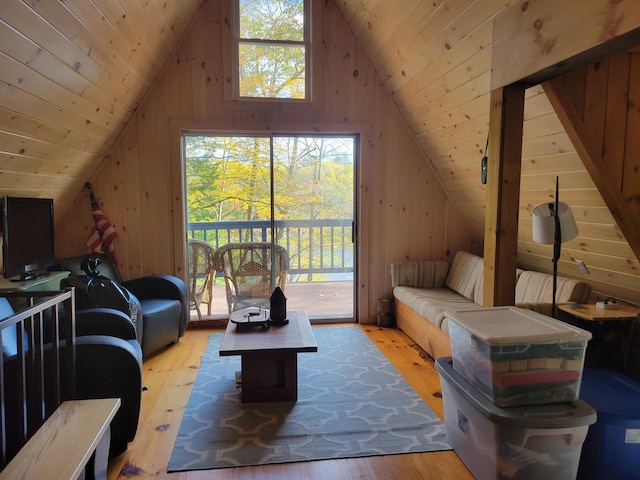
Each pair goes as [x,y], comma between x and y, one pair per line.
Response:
[201,274]
[247,270]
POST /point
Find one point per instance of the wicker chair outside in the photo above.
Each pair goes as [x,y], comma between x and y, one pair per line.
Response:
[247,269]
[201,273]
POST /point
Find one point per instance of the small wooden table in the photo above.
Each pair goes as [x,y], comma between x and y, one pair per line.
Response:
[270,357]
[592,313]
[609,327]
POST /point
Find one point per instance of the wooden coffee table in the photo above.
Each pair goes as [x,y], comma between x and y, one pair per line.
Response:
[270,357]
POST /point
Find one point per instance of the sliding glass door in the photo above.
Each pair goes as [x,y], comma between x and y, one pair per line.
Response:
[294,191]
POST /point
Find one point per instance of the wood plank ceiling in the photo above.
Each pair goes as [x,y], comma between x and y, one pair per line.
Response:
[434,59]
[73,73]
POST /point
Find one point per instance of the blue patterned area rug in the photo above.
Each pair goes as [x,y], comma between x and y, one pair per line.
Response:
[351,403]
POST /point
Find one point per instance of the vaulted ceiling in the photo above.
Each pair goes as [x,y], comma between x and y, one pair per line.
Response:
[73,73]
[435,60]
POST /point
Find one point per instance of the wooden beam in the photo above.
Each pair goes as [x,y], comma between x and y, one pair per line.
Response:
[503,195]
[537,40]
[604,134]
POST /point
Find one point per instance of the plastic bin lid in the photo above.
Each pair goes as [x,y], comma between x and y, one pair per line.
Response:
[613,395]
[509,325]
[552,415]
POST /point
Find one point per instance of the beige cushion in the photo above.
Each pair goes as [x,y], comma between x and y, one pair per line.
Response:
[431,304]
[537,287]
[465,271]
[422,274]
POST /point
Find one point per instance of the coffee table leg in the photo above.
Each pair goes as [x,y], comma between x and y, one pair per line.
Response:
[269,377]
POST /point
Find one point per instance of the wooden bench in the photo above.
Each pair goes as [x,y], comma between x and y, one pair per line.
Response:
[66,441]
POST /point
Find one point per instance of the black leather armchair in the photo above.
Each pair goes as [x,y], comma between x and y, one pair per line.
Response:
[108,365]
[164,301]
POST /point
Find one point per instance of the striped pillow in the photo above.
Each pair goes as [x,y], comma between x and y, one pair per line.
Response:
[423,274]
[465,271]
[537,287]
[534,287]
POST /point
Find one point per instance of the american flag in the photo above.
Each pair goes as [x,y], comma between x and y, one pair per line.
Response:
[103,233]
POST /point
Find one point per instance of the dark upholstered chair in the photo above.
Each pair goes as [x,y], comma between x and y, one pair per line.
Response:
[164,301]
[108,365]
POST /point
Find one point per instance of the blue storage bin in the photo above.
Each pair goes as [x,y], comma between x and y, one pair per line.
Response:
[612,447]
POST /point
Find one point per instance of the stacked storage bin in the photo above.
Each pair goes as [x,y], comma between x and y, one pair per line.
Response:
[510,393]
[612,447]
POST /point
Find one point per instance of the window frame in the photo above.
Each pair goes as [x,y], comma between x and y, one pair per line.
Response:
[231,44]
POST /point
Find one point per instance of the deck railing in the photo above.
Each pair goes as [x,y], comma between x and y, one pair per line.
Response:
[316,247]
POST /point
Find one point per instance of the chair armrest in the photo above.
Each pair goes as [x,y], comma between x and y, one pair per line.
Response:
[109,367]
[132,349]
[157,286]
[104,321]
[163,287]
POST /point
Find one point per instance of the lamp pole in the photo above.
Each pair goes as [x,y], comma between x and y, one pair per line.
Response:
[553,223]
[557,242]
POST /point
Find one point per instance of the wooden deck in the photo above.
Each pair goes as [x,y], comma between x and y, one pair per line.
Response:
[320,300]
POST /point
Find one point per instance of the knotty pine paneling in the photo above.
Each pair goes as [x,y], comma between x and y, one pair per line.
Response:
[404,212]
[435,61]
[74,73]
[531,37]
[71,76]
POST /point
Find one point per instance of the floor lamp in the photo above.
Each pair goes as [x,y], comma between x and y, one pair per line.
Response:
[553,223]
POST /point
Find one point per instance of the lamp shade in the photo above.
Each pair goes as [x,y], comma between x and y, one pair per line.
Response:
[544,223]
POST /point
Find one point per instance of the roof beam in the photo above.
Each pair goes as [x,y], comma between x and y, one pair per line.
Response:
[602,124]
[537,40]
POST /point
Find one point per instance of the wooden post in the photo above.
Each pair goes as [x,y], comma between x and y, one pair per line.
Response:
[535,41]
[503,195]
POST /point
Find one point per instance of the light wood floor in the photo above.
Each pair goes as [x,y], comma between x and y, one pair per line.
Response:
[169,377]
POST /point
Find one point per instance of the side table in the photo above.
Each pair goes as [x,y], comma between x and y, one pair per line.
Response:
[47,283]
[609,327]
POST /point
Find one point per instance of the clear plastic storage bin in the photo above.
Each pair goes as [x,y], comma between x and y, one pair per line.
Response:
[526,443]
[516,356]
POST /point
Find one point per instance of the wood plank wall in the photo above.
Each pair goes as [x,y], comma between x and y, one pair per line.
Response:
[435,60]
[403,210]
[598,105]
[613,267]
